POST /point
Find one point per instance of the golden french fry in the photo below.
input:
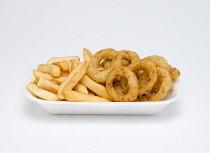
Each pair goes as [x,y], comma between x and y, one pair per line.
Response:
[39,74]
[62,64]
[59,80]
[81,88]
[87,54]
[95,87]
[74,64]
[76,96]
[43,94]
[72,79]
[47,76]
[58,59]
[91,93]
[64,73]
[48,85]
[36,81]
[51,69]
[70,66]
[54,81]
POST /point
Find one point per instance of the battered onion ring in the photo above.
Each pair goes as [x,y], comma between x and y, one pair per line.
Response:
[126,62]
[156,87]
[164,79]
[174,73]
[149,76]
[124,84]
[162,62]
[129,56]
[107,63]
[100,76]
[132,82]
[118,88]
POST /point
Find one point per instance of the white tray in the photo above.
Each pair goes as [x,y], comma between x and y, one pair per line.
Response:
[63,107]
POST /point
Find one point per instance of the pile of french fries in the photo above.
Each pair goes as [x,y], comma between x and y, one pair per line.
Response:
[65,78]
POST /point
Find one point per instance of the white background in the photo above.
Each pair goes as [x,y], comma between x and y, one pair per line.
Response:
[33,31]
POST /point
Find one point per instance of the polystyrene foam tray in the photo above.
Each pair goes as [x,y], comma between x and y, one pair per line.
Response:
[64,107]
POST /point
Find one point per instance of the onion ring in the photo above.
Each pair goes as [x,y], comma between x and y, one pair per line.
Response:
[162,62]
[148,78]
[132,83]
[174,73]
[165,80]
[118,88]
[100,76]
[129,57]
[107,63]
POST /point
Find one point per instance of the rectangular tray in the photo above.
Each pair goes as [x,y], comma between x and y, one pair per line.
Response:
[147,108]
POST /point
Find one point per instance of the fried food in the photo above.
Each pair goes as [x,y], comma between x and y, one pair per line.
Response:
[118,88]
[87,54]
[149,76]
[132,83]
[80,88]
[106,76]
[48,85]
[51,69]
[174,73]
[64,73]
[38,75]
[106,64]
[70,66]
[59,80]
[129,57]
[165,82]
[162,62]
[41,93]
[72,79]
[58,59]
[111,54]
[62,64]
[97,88]
[80,97]
[74,64]
[91,93]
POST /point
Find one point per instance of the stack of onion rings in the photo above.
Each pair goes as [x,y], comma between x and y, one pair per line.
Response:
[126,76]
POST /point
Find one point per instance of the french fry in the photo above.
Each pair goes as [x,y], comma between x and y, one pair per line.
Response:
[91,93]
[74,64]
[80,88]
[87,54]
[59,80]
[36,81]
[54,81]
[51,69]
[70,66]
[58,59]
[71,95]
[95,87]
[43,94]
[47,76]
[62,64]
[48,85]
[39,74]
[64,73]
[72,79]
